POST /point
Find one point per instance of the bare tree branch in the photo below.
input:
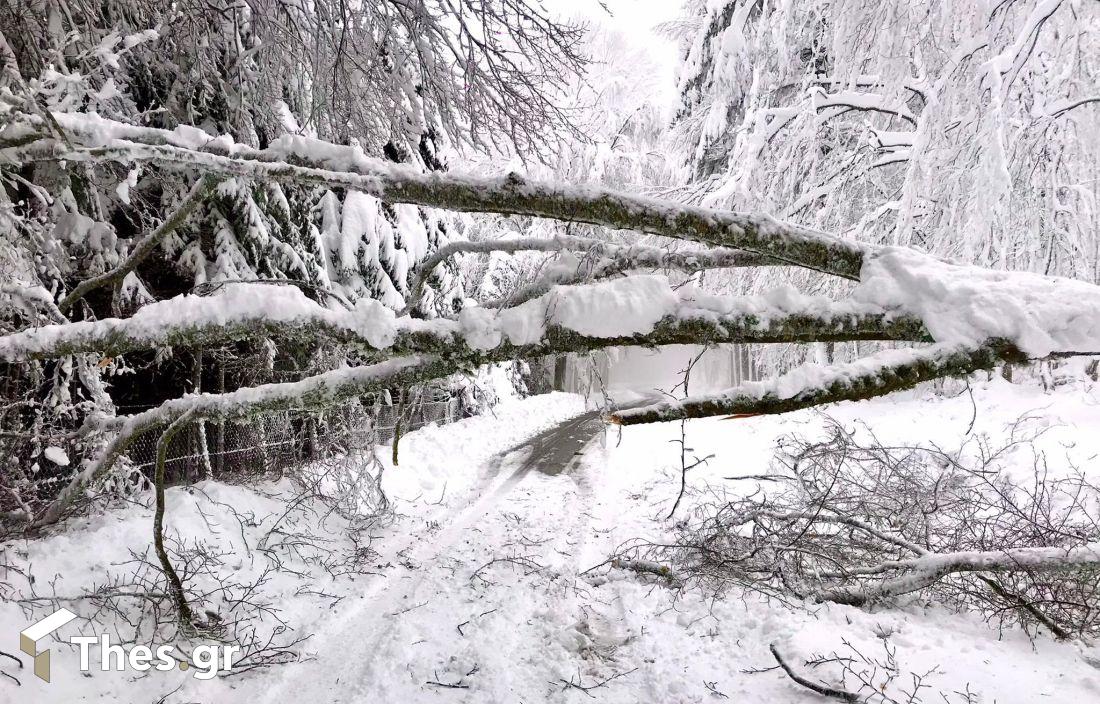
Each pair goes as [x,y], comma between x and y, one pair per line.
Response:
[823,690]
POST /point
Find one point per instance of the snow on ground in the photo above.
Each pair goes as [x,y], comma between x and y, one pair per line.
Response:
[482,590]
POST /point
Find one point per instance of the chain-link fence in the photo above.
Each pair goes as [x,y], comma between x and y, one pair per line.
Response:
[277,442]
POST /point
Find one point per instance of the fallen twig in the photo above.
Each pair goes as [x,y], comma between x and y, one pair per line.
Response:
[809,684]
[587,689]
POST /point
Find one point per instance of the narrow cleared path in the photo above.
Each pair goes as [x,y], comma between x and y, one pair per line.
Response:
[552,451]
[448,614]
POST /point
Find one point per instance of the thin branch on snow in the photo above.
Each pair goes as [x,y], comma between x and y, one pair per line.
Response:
[823,690]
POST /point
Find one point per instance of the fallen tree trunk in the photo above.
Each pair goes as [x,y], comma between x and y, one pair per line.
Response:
[925,570]
[883,374]
[283,313]
[303,160]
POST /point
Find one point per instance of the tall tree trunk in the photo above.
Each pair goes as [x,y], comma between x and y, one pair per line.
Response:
[200,428]
[561,363]
[397,422]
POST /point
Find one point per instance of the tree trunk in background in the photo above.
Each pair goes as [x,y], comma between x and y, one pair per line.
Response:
[397,422]
[200,428]
[561,363]
[219,436]
[311,428]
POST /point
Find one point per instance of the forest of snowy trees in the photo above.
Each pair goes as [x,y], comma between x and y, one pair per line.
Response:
[279,217]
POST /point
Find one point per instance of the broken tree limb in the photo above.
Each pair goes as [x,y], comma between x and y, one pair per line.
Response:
[823,690]
[805,387]
[303,160]
[175,585]
[313,393]
[635,258]
[928,569]
[252,311]
[443,355]
[611,259]
[643,567]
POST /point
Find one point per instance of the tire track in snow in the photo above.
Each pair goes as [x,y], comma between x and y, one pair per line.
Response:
[368,628]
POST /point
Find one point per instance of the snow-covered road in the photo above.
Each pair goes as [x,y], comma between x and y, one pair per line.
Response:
[491,596]
[447,614]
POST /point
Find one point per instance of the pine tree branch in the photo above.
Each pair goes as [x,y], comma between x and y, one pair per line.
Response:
[145,246]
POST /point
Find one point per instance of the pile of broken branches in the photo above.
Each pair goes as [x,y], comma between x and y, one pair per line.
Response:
[858,522]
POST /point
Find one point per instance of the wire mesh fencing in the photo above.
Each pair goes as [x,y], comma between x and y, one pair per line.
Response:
[277,442]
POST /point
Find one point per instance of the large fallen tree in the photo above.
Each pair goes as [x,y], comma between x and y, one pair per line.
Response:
[975,318]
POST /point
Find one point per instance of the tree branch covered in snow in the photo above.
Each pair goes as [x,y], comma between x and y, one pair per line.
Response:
[144,247]
[302,160]
[316,393]
[920,572]
[567,319]
[977,318]
[813,385]
[610,259]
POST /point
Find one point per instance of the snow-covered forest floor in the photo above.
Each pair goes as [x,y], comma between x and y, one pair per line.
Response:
[482,587]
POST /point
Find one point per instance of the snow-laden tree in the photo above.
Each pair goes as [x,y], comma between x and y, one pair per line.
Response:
[73,257]
[409,82]
[965,128]
[402,80]
[620,107]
